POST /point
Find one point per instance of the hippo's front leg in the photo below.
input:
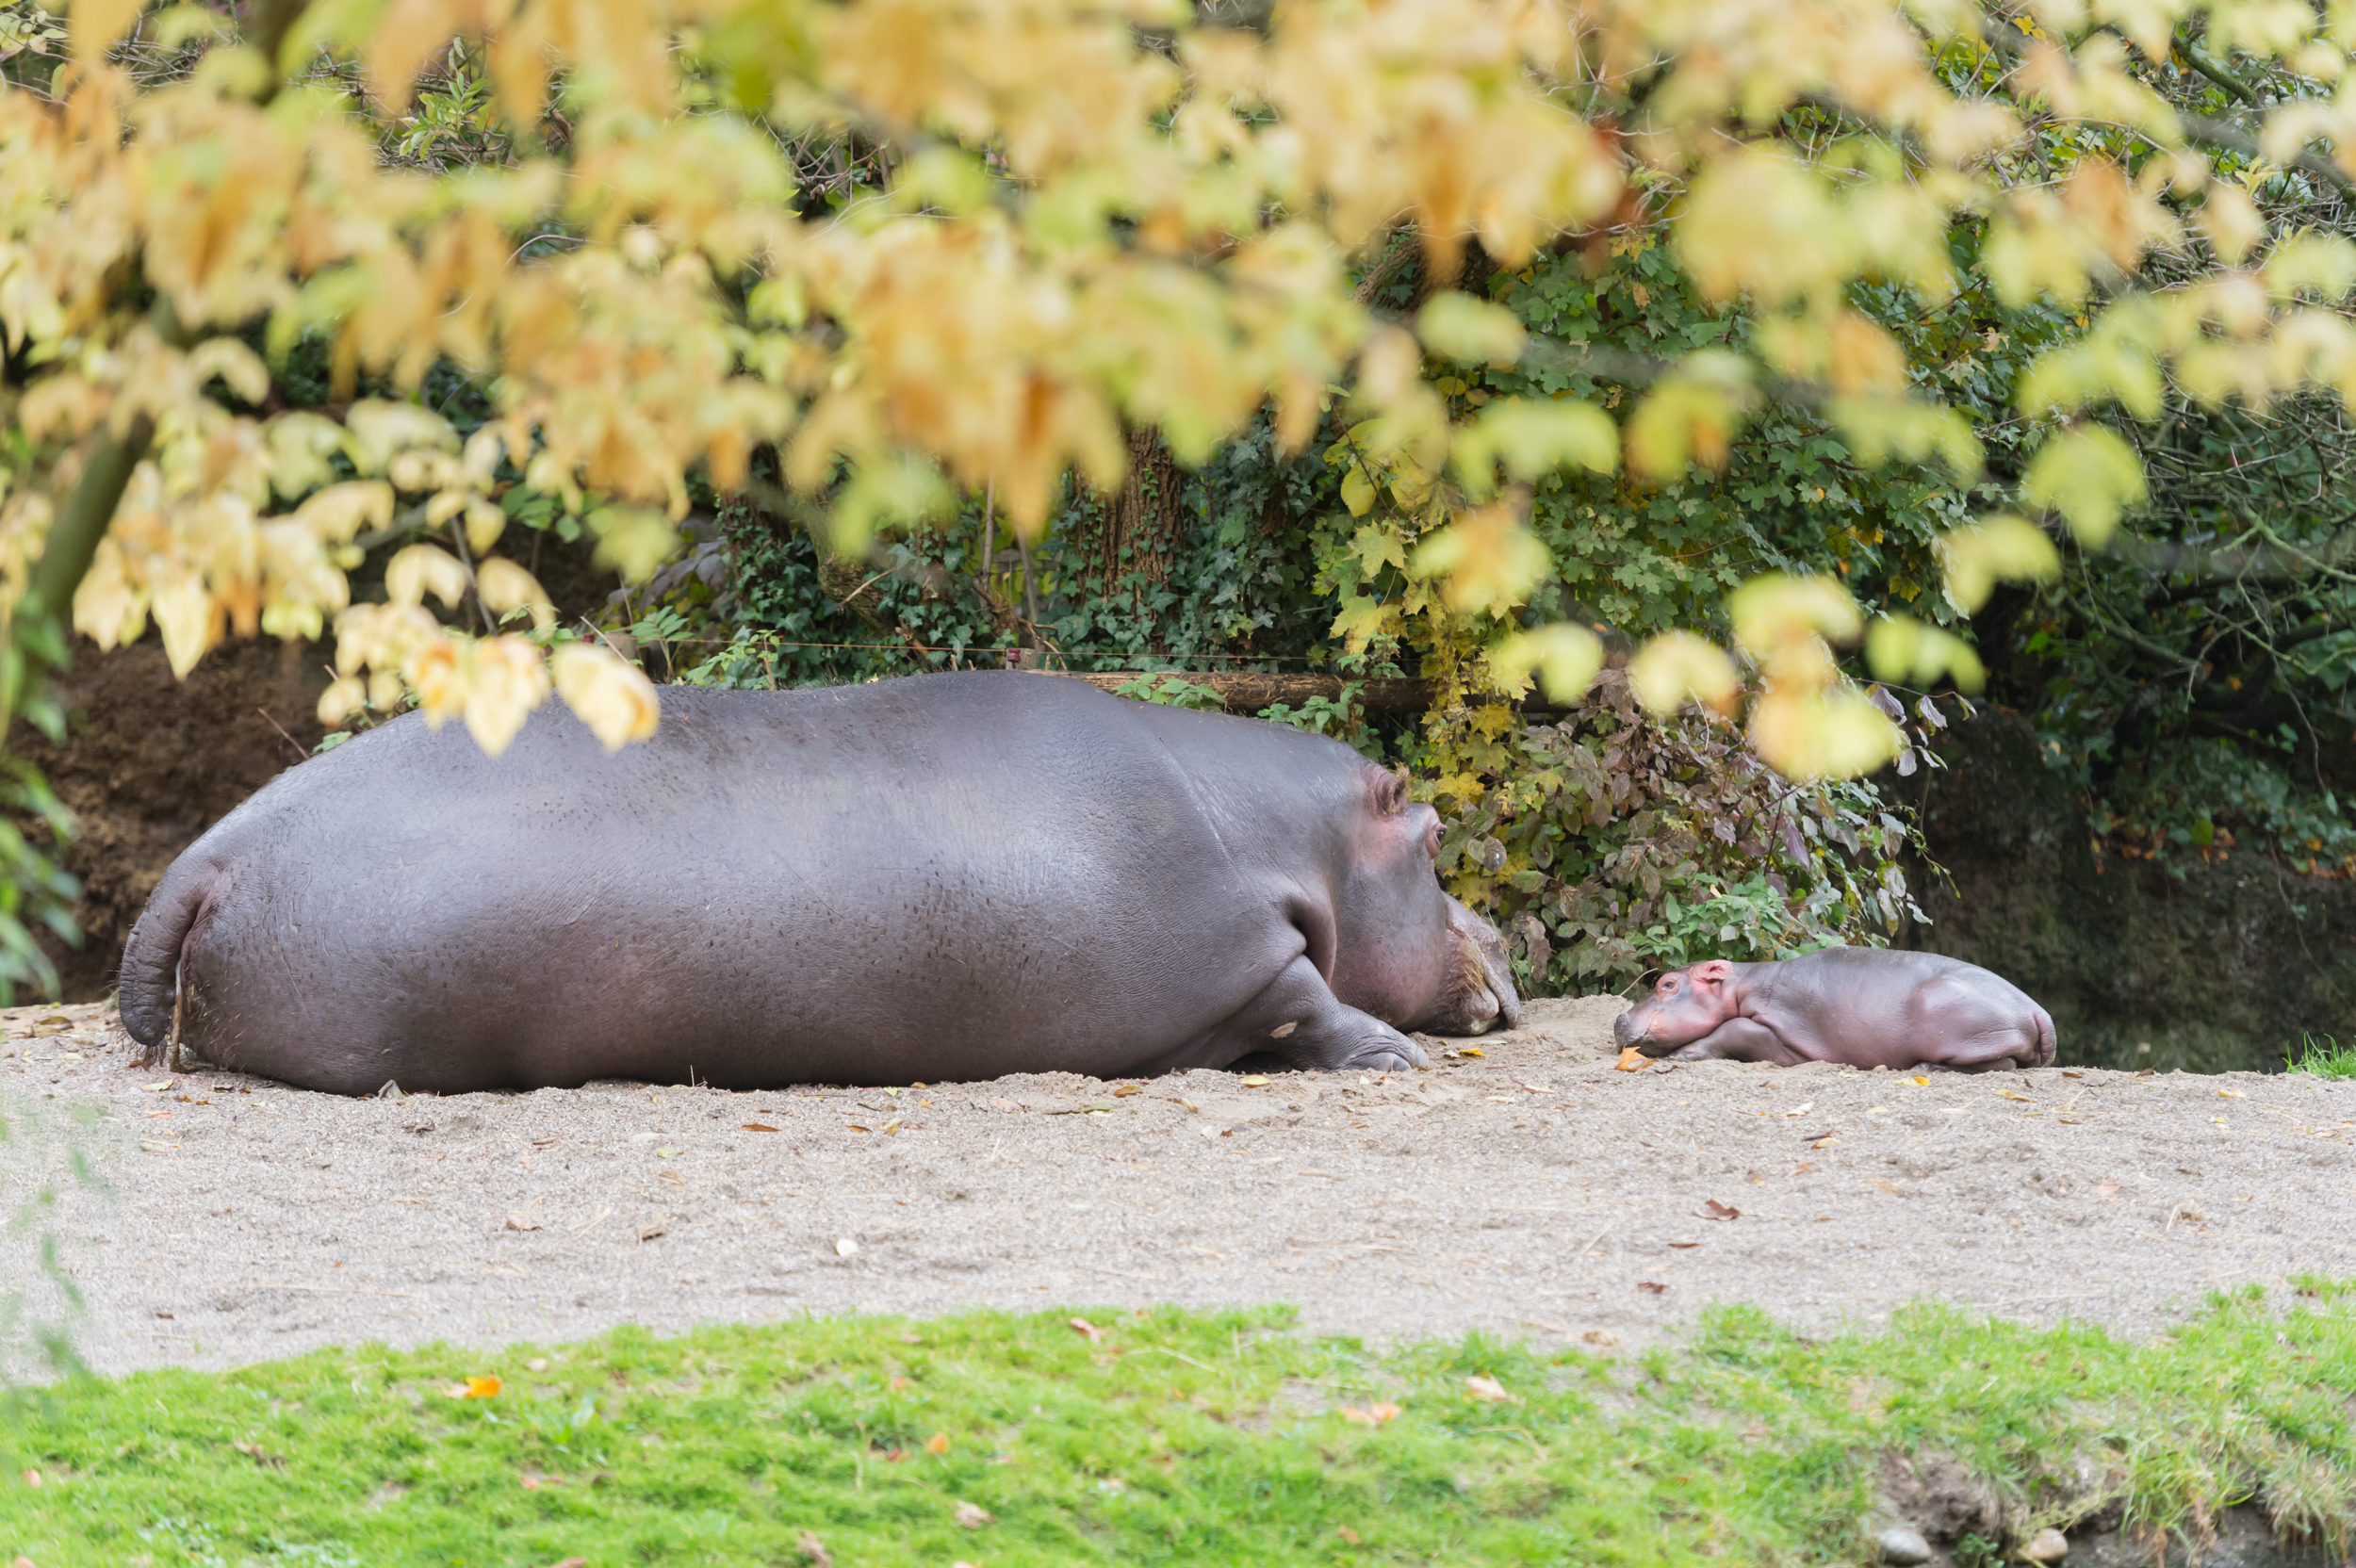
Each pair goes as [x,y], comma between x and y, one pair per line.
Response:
[1738,1039]
[1298,1018]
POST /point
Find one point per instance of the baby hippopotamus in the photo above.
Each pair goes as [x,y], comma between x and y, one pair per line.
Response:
[1866,1006]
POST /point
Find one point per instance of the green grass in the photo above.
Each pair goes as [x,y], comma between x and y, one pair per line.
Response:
[1196,1438]
[2326,1057]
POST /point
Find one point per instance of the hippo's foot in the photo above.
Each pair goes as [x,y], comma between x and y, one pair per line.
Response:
[1299,1020]
[1396,1054]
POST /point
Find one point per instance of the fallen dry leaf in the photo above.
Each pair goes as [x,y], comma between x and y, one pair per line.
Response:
[856,1127]
[1804,1164]
[1472,1050]
[1490,1391]
[1633,1061]
[1373,1416]
[1535,1088]
[156,1088]
[1009,1106]
[1685,1246]
[2104,1189]
[267,1461]
[1125,1090]
[32,1477]
[756,1127]
[1715,1210]
[475,1388]
[1254,1081]
[2231,1094]
[814,1550]
[1802,1110]
[974,1518]
[517,1222]
[672,1178]
[937,1444]
[2067,1073]
[1349,1536]
[533,1483]
[844,1247]
[648,1233]
[1653,1285]
[2012,1094]
[1082,1326]
[1923,1082]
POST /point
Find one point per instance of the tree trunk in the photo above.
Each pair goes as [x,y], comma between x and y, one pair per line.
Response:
[1127,550]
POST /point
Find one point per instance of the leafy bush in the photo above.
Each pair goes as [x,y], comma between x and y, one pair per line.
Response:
[1610,842]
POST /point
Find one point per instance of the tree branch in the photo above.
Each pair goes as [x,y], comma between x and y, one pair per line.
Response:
[2001,34]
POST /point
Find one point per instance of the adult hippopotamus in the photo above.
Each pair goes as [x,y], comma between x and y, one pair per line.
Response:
[1866,1006]
[943,877]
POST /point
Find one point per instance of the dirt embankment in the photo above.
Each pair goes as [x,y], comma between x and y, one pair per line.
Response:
[150,764]
[1530,1190]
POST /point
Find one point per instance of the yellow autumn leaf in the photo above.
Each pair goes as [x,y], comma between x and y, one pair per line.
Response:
[1838,733]
[1677,667]
[1771,609]
[1903,651]
[1689,417]
[1377,545]
[93,25]
[2090,476]
[422,570]
[1363,617]
[614,698]
[340,512]
[1473,331]
[1487,559]
[1532,437]
[485,522]
[185,614]
[345,696]
[1998,549]
[379,432]
[1566,657]
[506,586]
[506,679]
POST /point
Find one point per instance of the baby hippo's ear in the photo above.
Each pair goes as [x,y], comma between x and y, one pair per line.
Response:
[1711,976]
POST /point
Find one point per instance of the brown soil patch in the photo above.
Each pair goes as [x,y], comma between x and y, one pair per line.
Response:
[150,764]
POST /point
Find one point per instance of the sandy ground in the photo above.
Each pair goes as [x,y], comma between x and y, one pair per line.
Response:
[1532,1190]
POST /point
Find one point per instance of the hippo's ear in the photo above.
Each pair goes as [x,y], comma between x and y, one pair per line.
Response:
[1386,790]
[1711,975]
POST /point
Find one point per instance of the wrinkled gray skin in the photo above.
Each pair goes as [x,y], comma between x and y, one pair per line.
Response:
[940,878]
[1866,1006]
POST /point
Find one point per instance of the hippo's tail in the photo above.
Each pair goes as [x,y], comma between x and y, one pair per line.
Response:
[151,959]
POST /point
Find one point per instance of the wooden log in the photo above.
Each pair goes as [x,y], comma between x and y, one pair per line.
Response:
[1248,691]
